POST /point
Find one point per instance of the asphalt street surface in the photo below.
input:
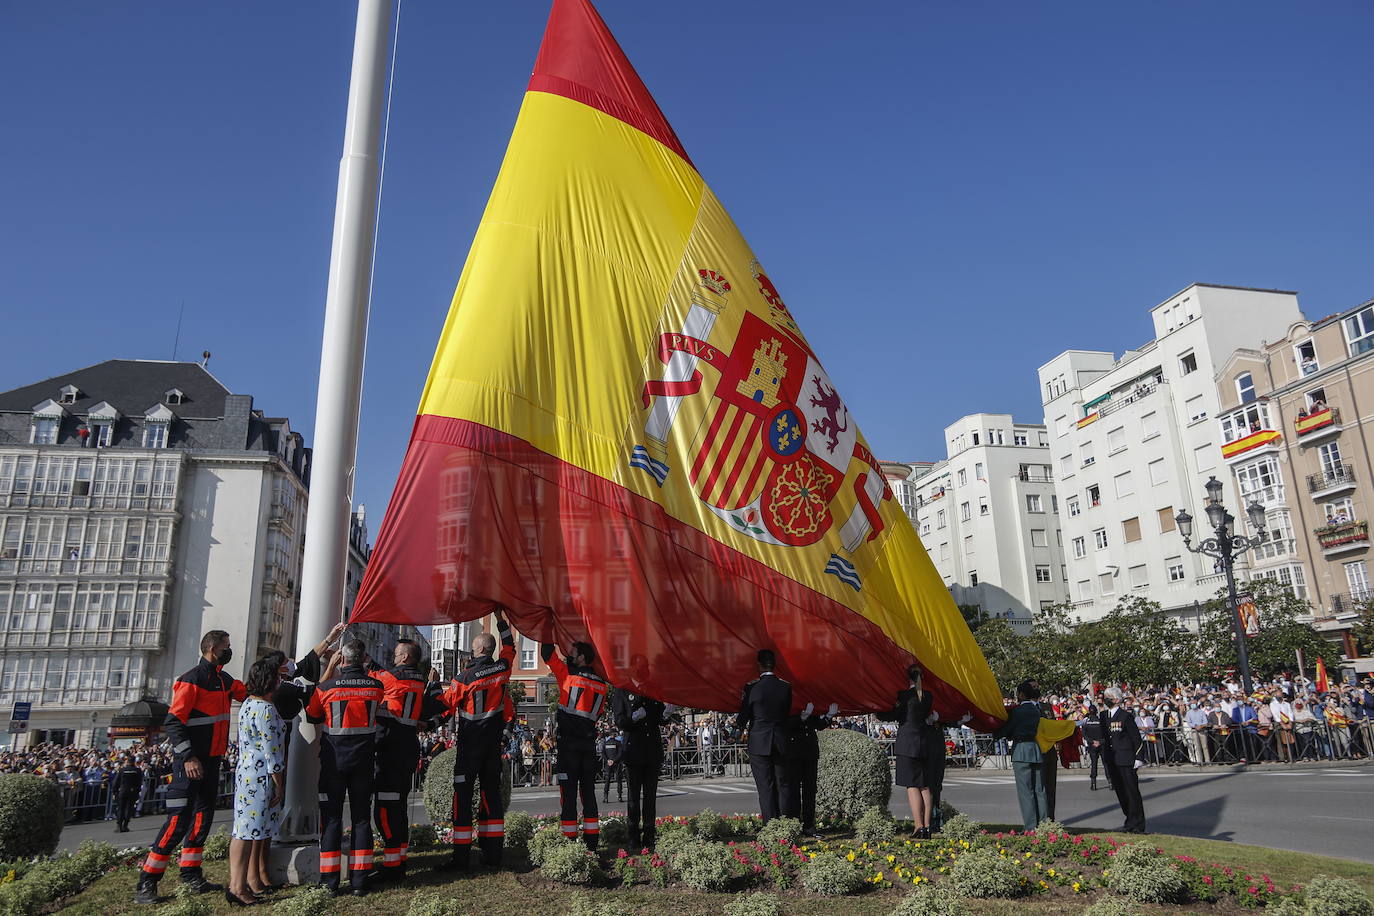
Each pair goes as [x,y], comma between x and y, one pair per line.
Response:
[1328,810]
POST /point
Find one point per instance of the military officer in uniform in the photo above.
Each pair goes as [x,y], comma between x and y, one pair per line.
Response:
[803,759]
[640,718]
[763,710]
[1122,743]
[1021,727]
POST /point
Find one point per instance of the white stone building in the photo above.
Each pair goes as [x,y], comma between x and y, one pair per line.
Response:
[987,516]
[141,504]
[1133,439]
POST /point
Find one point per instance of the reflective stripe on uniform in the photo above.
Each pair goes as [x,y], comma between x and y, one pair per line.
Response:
[329,861]
[207,720]
[391,857]
[155,864]
[591,825]
[183,747]
[491,828]
[477,716]
[388,796]
[190,857]
[573,711]
[351,730]
[175,803]
[358,861]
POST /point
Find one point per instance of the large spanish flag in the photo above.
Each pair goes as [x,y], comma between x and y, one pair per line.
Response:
[626,438]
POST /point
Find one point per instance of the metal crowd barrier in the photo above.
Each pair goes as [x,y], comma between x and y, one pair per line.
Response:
[81,802]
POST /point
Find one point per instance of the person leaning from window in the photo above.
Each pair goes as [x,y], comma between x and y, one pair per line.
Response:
[913,707]
[1021,726]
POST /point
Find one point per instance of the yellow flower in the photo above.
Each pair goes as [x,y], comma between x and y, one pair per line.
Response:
[850,857]
[1077,887]
[1044,885]
[916,880]
[1050,872]
[891,859]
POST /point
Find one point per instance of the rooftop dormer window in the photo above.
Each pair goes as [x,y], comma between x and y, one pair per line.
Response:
[69,394]
[173,397]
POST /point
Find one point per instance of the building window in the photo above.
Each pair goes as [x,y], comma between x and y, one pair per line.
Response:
[1116,440]
[1279,524]
[1106,584]
[173,397]
[1357,577]
[1205,457]
[155,435]
[1038,538]
[1094,496]
[1245,387]
[979,471]
[1085,590]
[1140,577]
[1072,503]
[940,519]
[1054,503]
[1158,472]
[968,545]
[965,513]
[1124,484]
[1187,363]
[1330,455]
[1061,424]
[1100,538]
[982,505]
[1195,409]
[944,550]
[1244,422]
[1175,568]
[1149,426]
[527,654]
[1079,550]
[962,477]
[44,431]
[1260,481]
[975,437]
[1130,529]
[1166,519]
[1020,438]
[1359,331]
[1044,439]
[1305,355]
[1066,465]
[1290,577]
[1086,451]
[1034,503]
[1042,574]
[1316,400]
[1340,511]
[973,578]
[68,395]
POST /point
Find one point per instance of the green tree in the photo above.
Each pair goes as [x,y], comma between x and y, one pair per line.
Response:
[973,615]
[1281,633]
[1363,628]
[1137,643]
[1006,653]
[517,692]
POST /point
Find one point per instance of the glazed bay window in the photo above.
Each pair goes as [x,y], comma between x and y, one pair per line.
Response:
[1290,577]
[1359,331]
[1238,424]
[1260,482]
[44,431]
[1280,543]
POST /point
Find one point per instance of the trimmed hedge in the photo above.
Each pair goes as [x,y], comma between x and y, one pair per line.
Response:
[30,816]
[852,775]
[438,792]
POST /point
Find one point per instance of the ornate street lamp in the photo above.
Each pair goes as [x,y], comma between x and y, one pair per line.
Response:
[1225,545]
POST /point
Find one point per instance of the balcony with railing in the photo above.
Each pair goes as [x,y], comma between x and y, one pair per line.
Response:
[1349,602]
[1332,480]
[1317,424]
[1342,537]
[1118,401]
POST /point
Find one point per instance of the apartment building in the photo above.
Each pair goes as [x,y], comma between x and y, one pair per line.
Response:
[380,638]
[988,516]
[141,504]
[1295,440]
[1134,438]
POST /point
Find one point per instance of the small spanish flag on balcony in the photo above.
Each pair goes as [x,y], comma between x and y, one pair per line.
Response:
[626,438]
[1252,441]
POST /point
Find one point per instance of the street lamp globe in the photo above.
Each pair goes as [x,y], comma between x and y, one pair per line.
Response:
[1217,515]
[1213,488]
[1185,525]
[1256,513]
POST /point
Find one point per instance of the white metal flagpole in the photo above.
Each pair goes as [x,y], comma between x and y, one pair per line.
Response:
[341,381]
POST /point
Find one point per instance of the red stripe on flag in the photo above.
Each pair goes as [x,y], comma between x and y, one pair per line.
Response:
[700,460]
[749,454]
[580,59]
[702,606]
[727,446]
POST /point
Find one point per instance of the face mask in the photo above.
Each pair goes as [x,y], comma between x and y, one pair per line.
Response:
[224,657]
[1109,701]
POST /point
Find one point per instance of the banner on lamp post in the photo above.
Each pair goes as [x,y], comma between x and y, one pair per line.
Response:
[1249,614]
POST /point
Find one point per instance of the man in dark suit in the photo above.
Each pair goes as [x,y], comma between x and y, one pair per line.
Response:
[763,710]
[1092,736]
[803,761]
[1122,743]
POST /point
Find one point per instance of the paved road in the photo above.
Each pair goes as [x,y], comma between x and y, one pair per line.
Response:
[1319,809]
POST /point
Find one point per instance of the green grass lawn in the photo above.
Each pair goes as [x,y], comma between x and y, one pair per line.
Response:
[521,890]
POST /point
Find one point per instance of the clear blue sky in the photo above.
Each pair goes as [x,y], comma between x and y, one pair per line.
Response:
[947,194]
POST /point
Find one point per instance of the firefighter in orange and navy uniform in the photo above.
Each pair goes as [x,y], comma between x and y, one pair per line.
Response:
[581,698]
[198,727]
[479,701]
[408,702]
[347,703]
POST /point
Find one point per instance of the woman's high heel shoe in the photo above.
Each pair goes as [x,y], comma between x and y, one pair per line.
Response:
[235,900]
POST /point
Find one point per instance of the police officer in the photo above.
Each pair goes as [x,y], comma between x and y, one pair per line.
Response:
[640,718]
[407,702]
[763,709]
[197,726]
[803,761]
[346,701]
[479,700]
[128,781]
[581,698]
[612,754]
[1122,744]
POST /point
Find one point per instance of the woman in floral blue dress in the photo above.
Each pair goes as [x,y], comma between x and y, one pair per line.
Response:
[259,784]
